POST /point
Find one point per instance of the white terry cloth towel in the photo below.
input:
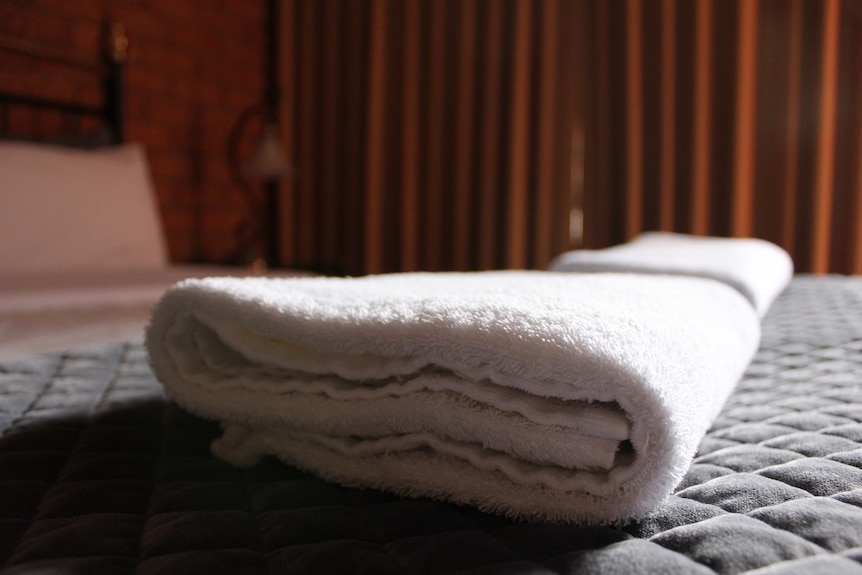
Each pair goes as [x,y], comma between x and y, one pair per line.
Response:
[759,269]
[561,397]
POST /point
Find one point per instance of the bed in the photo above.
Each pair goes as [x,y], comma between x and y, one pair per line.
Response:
[82,246]
[101,473]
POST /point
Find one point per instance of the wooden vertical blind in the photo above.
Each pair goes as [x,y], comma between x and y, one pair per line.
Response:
[428,134]
[727,117]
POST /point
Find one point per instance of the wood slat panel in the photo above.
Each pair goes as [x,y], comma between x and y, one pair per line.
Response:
[411,180]
[703,96]
[519,139]
[465,110]
[307,154]
[598,155]
[331,123]
[459,108]
[547,178]
[287,122]
[823,190]
[746,101]
[668,115]
[490,118]
[376,146]
[851,96]
[650,65]
[634,198]
[759,128]
[791,183]
[684,104]
[777,109]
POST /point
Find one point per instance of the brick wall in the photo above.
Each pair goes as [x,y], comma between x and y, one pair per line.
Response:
[193,67]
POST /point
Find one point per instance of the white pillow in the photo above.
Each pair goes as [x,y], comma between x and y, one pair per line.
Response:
[70,209]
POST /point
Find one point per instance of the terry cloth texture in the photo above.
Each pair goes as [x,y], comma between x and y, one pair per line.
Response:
[760,270]
[100,474]
[538,395]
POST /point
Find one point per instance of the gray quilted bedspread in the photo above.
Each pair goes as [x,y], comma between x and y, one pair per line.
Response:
[99,474]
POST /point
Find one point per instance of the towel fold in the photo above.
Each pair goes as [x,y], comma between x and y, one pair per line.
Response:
[560,397]
[759,269]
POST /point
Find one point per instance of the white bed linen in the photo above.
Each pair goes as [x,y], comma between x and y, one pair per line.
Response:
[69,209]
[49,312]
[82,249]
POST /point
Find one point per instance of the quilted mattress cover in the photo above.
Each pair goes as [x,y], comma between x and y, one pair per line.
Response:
[99,474]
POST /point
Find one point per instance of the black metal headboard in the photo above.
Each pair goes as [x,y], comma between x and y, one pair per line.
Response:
[108,69]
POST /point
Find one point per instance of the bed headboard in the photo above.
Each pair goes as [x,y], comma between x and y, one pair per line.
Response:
[81,124]
[65,209]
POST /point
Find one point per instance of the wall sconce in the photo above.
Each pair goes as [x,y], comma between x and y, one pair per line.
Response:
[257,233]
[268,161]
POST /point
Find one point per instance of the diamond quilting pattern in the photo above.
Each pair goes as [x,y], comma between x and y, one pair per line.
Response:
[99,474]
[734,543]
[791,436]
[831,524]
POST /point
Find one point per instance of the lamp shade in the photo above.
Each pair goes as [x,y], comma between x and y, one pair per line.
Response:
[268,161]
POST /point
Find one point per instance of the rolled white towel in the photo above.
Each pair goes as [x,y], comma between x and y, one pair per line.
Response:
[562,397]
[759,269]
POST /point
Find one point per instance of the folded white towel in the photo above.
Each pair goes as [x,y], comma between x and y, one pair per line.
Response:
[760,270]
[572,397]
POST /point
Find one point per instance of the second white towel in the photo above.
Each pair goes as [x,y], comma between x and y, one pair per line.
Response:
[758,269]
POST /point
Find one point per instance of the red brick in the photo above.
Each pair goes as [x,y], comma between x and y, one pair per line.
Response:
[79,9]
[192,69]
